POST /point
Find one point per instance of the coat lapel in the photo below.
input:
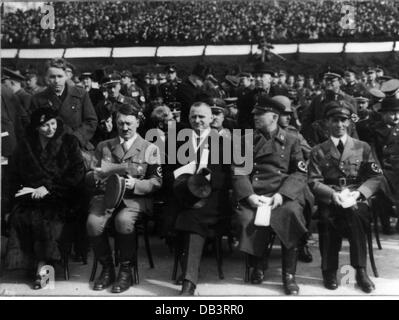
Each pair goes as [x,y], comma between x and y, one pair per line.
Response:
[116,148]
[332,149]
[134,149]
[262,146]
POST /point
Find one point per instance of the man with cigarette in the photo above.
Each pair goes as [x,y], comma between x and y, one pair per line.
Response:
[343,176]
[278,179]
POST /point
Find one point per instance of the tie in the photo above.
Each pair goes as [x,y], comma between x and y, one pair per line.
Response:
[125,146]
[198,142]
[340,146]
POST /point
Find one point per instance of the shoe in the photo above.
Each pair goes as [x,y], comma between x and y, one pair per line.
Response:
[289,283]
[125,278]
[106,278]
[37,284]
[330,280]
[364,281]
[180,280]
[304,254]
[188,288]
[257,276]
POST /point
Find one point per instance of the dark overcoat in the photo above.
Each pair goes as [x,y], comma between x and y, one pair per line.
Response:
[278,167]
[76,111]
[203,220]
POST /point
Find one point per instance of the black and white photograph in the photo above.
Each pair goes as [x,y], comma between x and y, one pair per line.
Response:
[200,149]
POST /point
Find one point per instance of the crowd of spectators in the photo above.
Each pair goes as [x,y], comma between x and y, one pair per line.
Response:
[200,22]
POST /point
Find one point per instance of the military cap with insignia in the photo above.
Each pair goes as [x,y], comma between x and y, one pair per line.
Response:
[126,73]
[111,79]
[286,102]
[362,96]
[389,104]
[262,68]
[341,109]
[86,75]
[216,104]
[370,70]
[170,69]
[230,101]
[30,73]
[349,70]
[232,80]
[331,74]
[11,74]
[390,87]
[266,104]
[244,75]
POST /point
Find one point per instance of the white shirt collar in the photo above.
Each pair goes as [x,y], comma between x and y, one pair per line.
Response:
[129,142]
[336,140]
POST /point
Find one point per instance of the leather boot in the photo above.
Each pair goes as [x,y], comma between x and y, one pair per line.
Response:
[289,260]
[125,278]
[364,281]
[102,252]
[330,279]
[107,276]
[257,274]
[188,288]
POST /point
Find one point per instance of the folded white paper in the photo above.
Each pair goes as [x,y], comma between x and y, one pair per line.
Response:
[188,168]
[262,218]
[23,191]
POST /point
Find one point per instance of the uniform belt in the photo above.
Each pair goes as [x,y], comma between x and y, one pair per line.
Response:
[342,182]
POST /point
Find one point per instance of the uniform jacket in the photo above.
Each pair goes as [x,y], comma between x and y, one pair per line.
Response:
[354,88]
[76,111]
[278,167]
[327,165]
[25,99]
[277,163]
[245,104]
[169,90]
[385,145]
[143,163]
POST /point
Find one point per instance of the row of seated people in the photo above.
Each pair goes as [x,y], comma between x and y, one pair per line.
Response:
[59,168]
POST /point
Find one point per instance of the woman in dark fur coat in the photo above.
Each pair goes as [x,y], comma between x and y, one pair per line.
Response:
[46,170]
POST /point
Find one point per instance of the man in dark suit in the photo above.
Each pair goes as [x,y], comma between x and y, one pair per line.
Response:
[343,175]
[72,103]
[195,221]
[278,179]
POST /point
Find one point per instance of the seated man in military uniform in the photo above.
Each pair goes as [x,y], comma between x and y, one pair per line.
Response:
[142,177]
[343,175]
[279,178]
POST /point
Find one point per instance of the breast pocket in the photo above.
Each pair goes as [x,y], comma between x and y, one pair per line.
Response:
[354,165]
